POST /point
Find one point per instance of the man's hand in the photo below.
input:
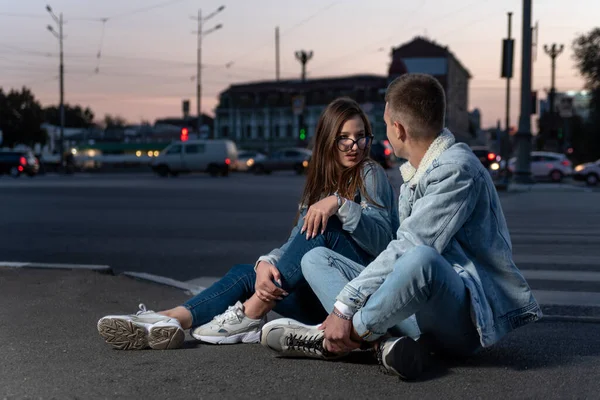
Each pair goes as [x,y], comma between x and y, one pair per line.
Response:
[317,215]
[337,335]
[264,287]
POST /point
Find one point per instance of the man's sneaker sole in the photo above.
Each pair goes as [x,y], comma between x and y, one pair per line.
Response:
[406,359]
[244,337]
[124,334]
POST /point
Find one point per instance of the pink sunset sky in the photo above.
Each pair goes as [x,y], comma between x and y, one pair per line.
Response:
[148,51]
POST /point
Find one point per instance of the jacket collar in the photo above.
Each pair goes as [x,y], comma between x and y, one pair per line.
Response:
[443,142]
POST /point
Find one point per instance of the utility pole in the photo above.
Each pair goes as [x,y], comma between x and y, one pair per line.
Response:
[277,53]
[304,57]
[61,72]
[507,72]
[523,136]
[553,51]
[201,34]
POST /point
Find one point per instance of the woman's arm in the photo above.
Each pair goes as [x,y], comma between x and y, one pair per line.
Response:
[372,226]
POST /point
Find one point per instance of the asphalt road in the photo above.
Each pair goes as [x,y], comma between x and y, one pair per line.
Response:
[51,350]
[198,226]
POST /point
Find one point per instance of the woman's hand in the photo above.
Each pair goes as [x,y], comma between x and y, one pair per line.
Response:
[264,287]
[317,215]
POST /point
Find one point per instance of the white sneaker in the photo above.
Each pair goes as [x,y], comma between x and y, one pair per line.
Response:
[230,327]
[142,330]
[290,338]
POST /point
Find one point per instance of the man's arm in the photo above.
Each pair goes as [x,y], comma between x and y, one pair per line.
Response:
[449,198]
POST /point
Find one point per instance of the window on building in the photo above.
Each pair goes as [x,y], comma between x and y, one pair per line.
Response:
[290,131]
[224,131]
[248,132]
[260,132]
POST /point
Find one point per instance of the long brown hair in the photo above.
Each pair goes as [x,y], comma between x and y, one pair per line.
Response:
[325,173]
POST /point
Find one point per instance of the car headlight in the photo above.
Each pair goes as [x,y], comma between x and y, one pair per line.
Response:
[250,162]
[579,168]
[495,166]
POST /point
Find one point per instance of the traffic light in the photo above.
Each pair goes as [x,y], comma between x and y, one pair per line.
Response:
[184,134]
[302,133]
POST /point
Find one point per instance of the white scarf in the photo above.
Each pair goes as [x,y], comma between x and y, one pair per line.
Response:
[442,143]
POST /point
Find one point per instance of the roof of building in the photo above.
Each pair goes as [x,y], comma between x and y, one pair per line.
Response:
[293,85]
[425,48]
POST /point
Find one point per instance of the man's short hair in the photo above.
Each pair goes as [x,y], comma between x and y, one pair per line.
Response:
[419,102]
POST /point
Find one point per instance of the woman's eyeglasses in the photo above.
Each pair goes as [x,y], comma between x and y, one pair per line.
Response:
[346,144]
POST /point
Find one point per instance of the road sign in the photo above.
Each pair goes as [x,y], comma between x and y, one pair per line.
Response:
[565,107]
[298,105]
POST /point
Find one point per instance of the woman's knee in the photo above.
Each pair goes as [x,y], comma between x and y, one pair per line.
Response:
[242,270]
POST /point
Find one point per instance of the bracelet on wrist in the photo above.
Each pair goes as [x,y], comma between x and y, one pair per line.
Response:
[341,316]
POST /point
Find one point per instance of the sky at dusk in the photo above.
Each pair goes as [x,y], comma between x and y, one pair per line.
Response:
[147,62]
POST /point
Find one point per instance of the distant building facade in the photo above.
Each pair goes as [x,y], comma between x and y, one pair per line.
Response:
[262,115]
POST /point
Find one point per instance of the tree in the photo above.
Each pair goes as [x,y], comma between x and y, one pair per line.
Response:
[75,117]
[21,118]
[586,52]
[115,121]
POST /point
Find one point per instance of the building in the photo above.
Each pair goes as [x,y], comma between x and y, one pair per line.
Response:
[265,114]
[425,56]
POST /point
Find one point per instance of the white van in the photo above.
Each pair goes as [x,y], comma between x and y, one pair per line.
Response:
[217,157]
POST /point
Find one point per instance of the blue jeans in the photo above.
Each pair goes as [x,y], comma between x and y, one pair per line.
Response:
[301,303]
[423,285]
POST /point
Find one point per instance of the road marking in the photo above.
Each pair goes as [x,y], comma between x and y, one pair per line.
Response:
[559,298]
[571,276]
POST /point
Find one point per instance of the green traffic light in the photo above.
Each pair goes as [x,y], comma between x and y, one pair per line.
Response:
[302,134]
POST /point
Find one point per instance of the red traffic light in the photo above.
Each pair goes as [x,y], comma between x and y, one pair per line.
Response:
[184,134]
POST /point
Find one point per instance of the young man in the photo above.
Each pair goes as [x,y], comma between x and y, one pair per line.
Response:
[450,267]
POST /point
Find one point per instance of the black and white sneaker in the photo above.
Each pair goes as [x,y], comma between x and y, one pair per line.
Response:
[290,338]
[403,357]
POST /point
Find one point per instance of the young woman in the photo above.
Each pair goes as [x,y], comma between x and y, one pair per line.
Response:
[348,206]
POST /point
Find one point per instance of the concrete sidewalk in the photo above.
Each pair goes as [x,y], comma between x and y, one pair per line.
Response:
[51,349]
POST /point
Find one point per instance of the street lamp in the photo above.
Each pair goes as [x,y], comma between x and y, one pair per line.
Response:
[60,37]
[201,34]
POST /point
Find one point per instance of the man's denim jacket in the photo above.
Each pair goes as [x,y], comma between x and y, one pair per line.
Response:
[450,203]
[371,226]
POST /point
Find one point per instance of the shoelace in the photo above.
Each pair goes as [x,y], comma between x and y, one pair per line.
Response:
[230,314]
[143,309]
[379,356]
[306,343]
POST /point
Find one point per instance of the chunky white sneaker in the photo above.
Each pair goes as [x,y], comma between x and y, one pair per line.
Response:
[230,327]
[290,338]
[142,330]
[403,357]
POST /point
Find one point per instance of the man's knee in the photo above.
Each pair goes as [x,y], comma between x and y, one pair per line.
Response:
[314,261]
[419,262]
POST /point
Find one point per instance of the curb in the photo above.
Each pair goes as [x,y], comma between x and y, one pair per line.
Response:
[570,318]
[89,267]
[188,288]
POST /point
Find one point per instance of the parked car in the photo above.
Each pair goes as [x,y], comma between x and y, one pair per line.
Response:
[247,158]
[383,153]
[213,156]
[18,162]
[486,156]
[588,172]
[547,165]
[291,159]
